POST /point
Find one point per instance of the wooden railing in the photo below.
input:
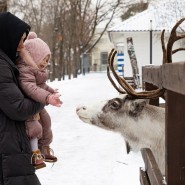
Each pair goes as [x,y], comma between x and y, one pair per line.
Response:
[151,175]
[172,78]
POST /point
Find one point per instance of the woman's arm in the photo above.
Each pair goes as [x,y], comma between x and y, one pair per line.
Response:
[12,102]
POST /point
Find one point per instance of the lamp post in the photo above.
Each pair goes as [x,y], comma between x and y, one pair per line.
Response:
[150,41]
[82,63]
[82,60]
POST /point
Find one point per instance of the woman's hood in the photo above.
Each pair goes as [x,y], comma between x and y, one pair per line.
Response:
[11,31]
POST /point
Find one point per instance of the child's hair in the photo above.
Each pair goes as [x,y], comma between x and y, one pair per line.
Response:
[37,48]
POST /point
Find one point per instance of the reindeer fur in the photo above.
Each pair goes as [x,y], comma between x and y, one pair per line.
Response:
[142,125]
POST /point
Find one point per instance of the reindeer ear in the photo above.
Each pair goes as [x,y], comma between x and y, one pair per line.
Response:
[137,107]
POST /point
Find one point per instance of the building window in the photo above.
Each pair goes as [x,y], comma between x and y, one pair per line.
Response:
[104,57]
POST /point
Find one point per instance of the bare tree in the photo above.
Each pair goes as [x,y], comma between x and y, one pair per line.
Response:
[104,11]
[34,12]
[3,5]
[42,15]
[86,16]
[68,26]
[133,8]
[78,22]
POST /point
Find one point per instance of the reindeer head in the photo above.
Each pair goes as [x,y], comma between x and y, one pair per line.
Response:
[108,114]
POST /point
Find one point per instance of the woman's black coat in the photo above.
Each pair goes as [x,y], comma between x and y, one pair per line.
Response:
[15,152]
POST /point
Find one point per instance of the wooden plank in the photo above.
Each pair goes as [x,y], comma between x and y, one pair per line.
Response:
[168,76]
[152,75]
[152,168]
[173,77]
[144,178]
[175,138]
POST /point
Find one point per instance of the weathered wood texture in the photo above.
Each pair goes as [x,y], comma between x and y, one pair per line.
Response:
[175,138]
[168,76]
[144,180]
[152,74]
[149,87]
[152,169]
[171,77]
[130,81]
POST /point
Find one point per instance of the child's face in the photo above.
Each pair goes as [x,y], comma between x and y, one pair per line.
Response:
[43,64]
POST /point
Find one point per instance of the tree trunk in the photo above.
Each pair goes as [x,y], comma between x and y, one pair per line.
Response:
[3,5]
[133,61]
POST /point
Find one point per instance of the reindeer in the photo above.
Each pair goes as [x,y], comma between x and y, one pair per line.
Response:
[141,124]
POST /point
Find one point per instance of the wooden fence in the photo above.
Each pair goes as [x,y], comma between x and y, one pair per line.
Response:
[172,78]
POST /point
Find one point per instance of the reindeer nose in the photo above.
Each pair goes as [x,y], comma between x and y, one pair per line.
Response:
[80,107]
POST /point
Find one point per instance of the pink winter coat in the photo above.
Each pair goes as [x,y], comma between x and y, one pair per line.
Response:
[33,82]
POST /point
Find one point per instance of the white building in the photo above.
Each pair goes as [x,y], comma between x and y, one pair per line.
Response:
[145,29]
[99,53]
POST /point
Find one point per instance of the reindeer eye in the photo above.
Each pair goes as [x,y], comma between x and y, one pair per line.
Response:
[115,105]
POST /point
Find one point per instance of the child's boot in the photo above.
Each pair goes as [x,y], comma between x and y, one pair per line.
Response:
[37,159]
[48,154]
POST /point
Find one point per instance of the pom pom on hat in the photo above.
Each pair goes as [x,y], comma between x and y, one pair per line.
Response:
[32,35]
[37,48]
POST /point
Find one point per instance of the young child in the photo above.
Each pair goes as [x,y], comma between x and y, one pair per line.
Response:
[32,63]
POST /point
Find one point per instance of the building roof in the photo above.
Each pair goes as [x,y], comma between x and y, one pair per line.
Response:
[158,17]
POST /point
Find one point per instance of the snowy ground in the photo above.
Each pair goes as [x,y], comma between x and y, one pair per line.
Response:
[87,155]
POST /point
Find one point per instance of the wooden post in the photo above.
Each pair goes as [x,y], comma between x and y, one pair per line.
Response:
[149,87]
[175,138]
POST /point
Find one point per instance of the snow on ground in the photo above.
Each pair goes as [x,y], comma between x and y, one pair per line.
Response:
[87,155]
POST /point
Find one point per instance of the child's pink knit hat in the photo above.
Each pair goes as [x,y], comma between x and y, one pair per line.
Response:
[37,48]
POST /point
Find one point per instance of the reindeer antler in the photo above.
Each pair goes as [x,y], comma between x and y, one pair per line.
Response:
[109,76]
[123,83]
[167,54]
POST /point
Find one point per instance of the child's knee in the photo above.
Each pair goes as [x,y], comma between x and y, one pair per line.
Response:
[34,129]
